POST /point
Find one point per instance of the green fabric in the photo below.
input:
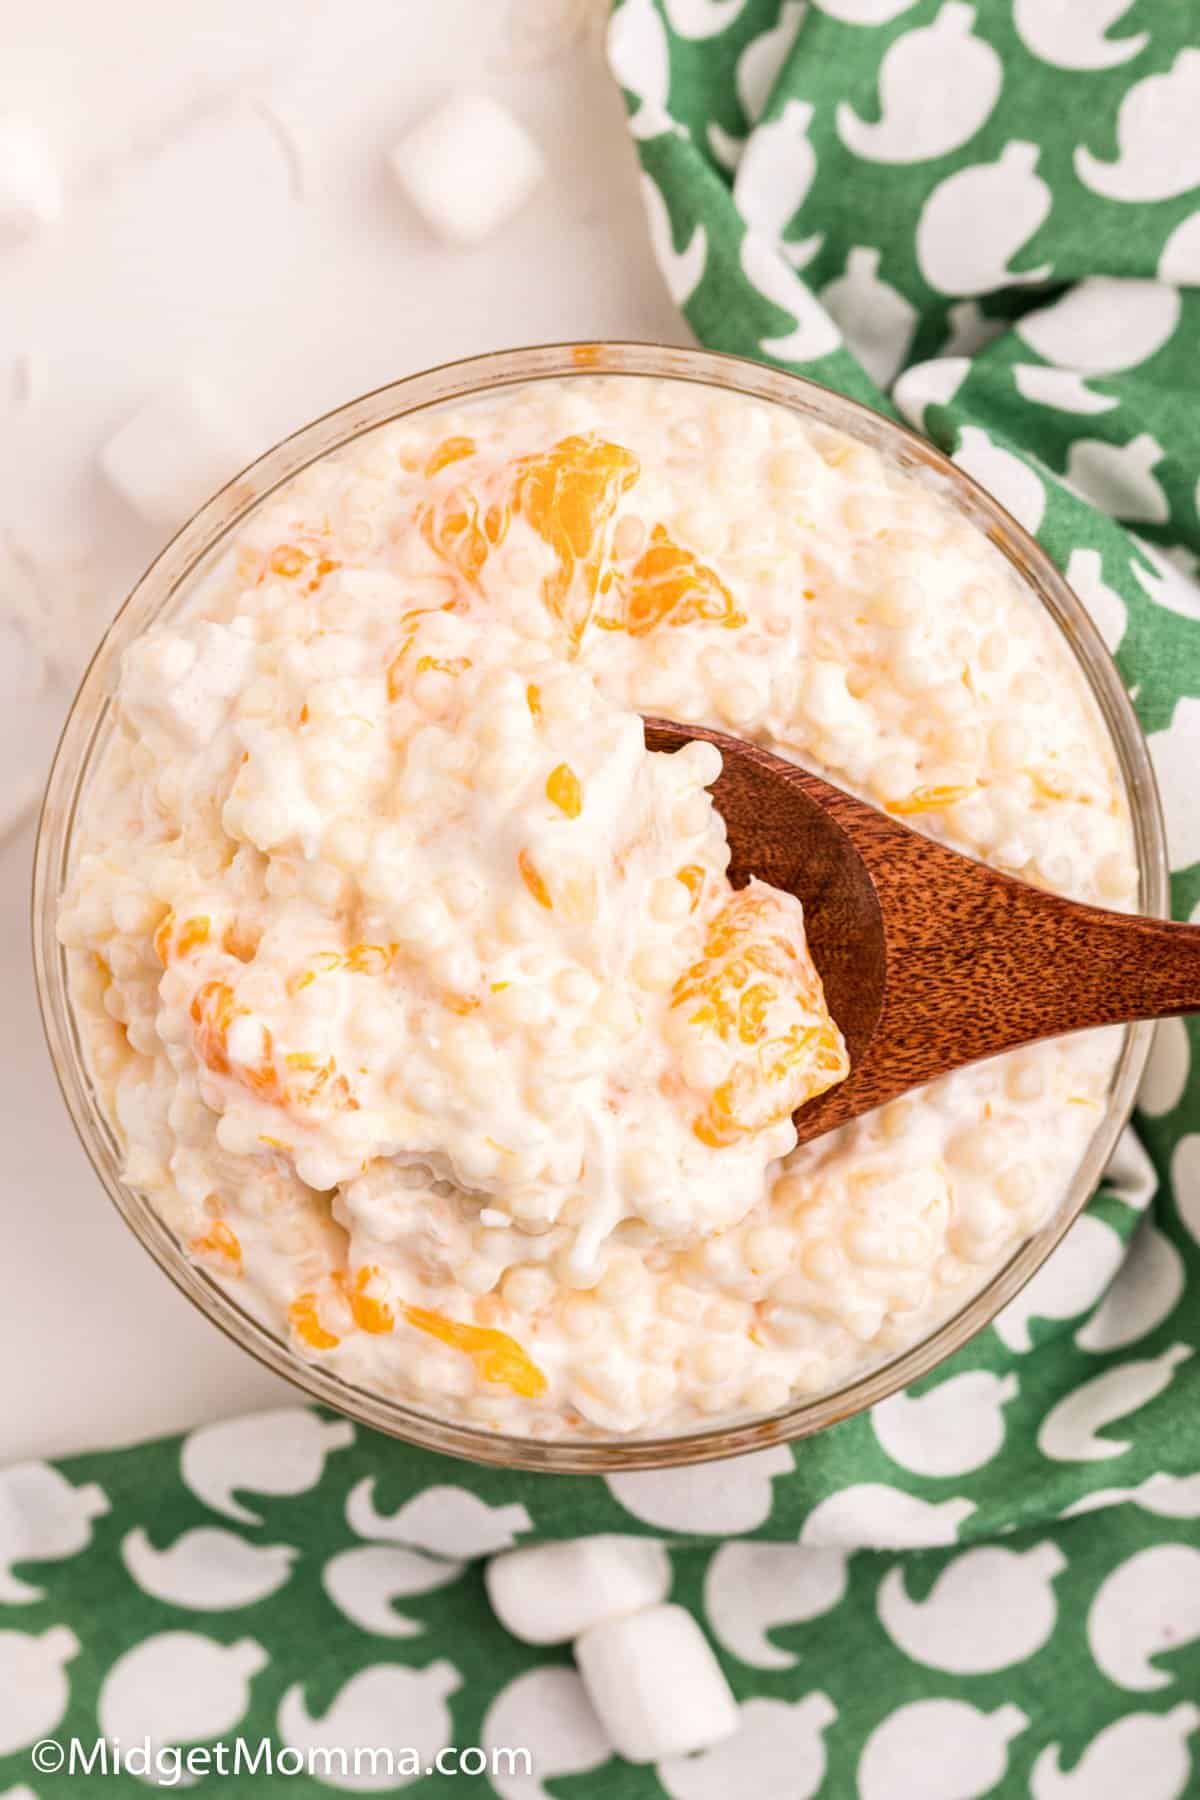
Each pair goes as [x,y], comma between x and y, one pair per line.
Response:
[901,1603]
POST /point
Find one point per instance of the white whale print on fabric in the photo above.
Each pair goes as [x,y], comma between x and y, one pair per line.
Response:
[956,1427]
[813,332]
[179,1688]
[718,1498]
[1157,141]
[548,1712]
[1185,1182]
[778,1744]
[939,1750]
[749,1588]
[1147,1290]
[1061,389]
[761,62]
[207,1570]
[872,1516]
[1130,1176]
[42,1519]
[1072,1430]
[639,56]
[1071,34]
[702,18]
[1165,582]
[987,1609]
[1173,753]
[1117,479]
[970,329]
[873,317]
[928,384]
[1180,259]
[976,220]
[34,1688]
[1103,325]
[774,175]
[864,12]
[1069,1282]
[1167,1496]
[276,1453]
[363,1583]
[1149,1604]
[1143,1754]
[1005,476]
[682,269]
[1105,606]
[937,87]
[385,1706]
[445,1521]
[758,69]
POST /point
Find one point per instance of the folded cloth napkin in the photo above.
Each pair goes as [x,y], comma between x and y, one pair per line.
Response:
[992,1585]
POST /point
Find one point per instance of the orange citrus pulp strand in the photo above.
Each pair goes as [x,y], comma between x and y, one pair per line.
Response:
[307,1326]
[669,585]
[457,530]
[569,495]
[496,1356]
[929,799]
[533,881]
[290,561]
[450,450]
[220,1240]
[173,939]
[692,877]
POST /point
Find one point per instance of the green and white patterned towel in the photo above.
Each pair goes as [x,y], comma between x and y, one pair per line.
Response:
[993,1584]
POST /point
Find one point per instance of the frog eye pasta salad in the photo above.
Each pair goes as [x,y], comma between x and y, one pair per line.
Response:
[414,986]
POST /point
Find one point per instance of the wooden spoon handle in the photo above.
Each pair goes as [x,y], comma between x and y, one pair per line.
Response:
[979,963]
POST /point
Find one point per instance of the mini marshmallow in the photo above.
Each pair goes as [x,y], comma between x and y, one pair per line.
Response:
[551,1592]
[177,450]
[655,1684]
[31,194]
[467,167]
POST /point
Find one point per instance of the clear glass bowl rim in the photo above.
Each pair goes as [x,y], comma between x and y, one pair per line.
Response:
[469,379]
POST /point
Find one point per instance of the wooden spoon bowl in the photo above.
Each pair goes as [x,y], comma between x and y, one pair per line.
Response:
[929,959]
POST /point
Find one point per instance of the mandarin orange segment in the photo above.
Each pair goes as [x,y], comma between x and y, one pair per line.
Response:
[497,1357]
[450,450]
[533,881]
[533,700]
[443,665]
[309,1081]
[174,939]
[757,991]
[564,791]
[569,495]
[669,585]
[307,1325]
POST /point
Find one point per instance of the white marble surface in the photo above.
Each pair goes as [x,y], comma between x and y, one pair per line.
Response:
[229,210]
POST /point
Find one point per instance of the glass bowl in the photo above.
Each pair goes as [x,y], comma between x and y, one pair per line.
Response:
[169,580]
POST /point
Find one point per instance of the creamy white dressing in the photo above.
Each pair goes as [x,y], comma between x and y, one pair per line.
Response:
[414,981]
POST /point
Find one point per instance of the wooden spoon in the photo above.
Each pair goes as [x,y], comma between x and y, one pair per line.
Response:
[929,959]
